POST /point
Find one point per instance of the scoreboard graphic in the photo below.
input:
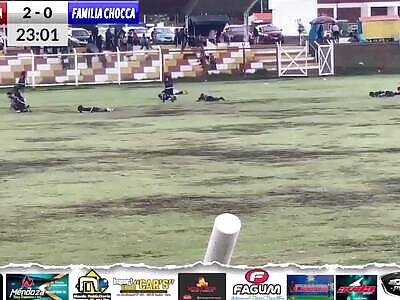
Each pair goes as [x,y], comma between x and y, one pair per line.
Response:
[45,23]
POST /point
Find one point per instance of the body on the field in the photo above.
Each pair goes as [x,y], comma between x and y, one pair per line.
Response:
[17,100]
[169,93]
[208,98]
[93,109]
[380,94]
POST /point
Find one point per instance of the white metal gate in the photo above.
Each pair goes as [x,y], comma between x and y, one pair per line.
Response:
[292,61]
[326,59]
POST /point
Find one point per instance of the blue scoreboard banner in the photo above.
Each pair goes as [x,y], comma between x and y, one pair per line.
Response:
[107,12]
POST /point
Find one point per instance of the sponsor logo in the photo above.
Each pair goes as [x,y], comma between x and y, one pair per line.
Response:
[257,287]
[357,287]
[257,276]
[210,286]
[310,287]
[391,283]
[37,286]
[92,287]
[143,287]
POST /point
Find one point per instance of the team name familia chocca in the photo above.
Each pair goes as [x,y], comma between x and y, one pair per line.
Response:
[103,13]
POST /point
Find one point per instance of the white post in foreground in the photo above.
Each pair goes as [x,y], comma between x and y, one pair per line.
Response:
[223,239]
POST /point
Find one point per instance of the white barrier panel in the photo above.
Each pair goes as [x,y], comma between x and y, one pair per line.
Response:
[82,68]
[223,239]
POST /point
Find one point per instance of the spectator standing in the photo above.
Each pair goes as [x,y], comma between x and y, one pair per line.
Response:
[136,40]
[212,36]
[184,39]
[176,37]
[181,36]
[212,62]
[218,36]
[99,42]
[144,43]
[108,39]
[255,35]
[64,58]
[115,40]
[335,33]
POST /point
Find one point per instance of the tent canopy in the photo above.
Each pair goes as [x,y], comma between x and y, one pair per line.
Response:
[204,24]
[323,20]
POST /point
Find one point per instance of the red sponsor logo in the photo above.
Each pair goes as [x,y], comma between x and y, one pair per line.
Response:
[357,289]
[257,276]
[3,13]
[187,297]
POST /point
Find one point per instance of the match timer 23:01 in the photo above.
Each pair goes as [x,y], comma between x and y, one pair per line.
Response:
[35,23]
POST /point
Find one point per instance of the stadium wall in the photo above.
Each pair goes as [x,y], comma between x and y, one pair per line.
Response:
[141,66]
[365,58]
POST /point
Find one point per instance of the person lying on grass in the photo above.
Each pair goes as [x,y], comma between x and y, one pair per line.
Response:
[169,93]
[207,98]
[17,102]
[380,94]
[93,109]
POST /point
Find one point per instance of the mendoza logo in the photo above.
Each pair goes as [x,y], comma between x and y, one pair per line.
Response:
[92,286]
[391,283]
[360,287]
[202,286]
[37,286]
[144,287]
[256,285]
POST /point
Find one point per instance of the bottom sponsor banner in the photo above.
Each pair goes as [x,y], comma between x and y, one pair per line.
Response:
[310,287]
[202,286]
[200,282]
[37,286]
[356,287]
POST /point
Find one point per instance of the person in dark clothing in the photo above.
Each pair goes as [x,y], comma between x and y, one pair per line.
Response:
[176,37]
[207,98]
[144,43]
[93,109]
[255,35]
[108,39]
[65,58]
[169,93]
[21,84]
[212,62]
[99,42]
[185,39]
[17,102]
[380,94]
[129,40]
[320,34]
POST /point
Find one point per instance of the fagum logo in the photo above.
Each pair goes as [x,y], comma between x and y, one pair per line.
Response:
[256,285]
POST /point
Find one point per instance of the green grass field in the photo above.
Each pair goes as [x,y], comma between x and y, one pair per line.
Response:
[309,165]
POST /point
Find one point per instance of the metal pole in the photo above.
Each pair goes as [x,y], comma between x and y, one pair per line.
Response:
[223,239]
[119,65]
[76,67]
[33,68]
[262,5]
[246,27]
